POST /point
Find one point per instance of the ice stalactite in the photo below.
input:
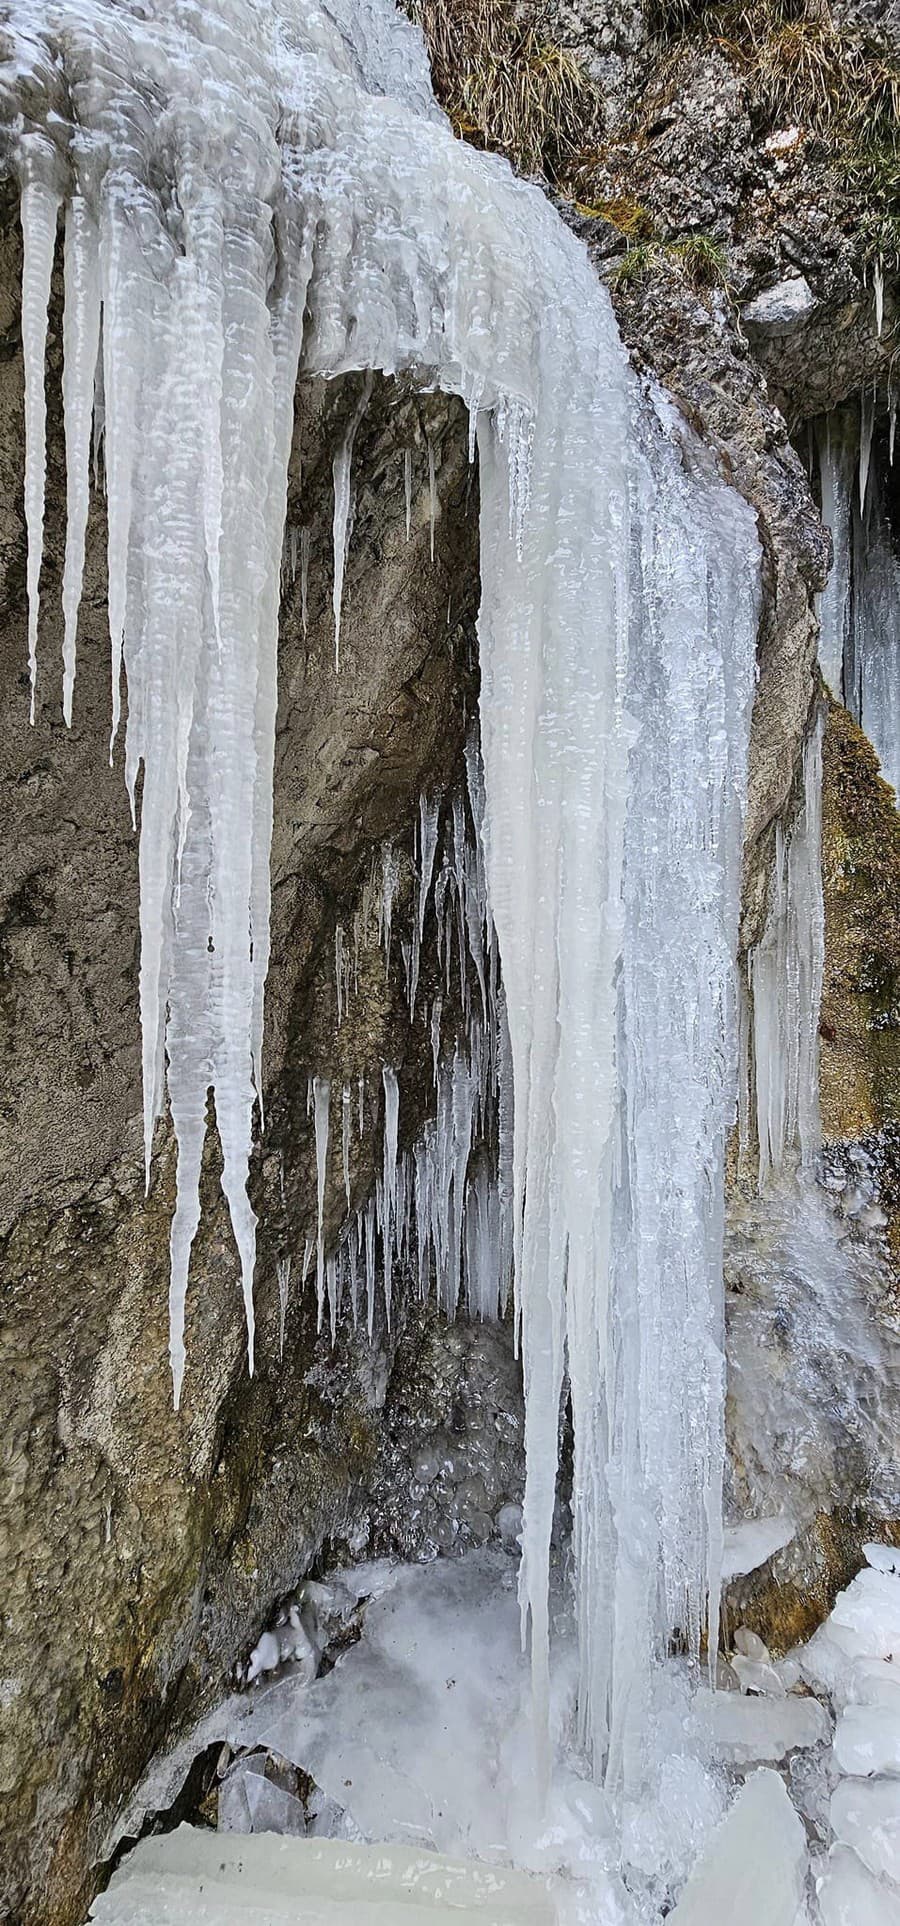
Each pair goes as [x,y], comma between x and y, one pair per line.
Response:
[781,1031]
[266,179]
[441,1209]
[859,648]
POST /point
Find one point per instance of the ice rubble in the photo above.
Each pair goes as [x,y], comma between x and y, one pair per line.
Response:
[854,1657]
[859,648]
[249,188]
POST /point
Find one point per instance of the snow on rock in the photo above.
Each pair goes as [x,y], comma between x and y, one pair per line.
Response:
[754,1868]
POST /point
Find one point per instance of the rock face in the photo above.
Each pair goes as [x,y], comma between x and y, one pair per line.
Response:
[142,1551]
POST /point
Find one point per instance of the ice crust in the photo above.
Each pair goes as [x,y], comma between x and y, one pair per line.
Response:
[212,1880]
[267,187]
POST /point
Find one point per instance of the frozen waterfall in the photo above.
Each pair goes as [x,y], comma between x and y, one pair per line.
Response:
[250,189]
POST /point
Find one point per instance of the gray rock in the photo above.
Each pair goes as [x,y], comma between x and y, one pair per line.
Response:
[780,310]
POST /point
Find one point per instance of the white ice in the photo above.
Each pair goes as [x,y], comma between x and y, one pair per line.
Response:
[266,179]
[214,1880]
[754,1869]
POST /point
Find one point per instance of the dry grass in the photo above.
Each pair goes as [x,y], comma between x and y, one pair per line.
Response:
[505,87]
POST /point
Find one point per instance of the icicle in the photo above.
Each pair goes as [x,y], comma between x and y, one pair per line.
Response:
[340,971]
[321,1100]
[341,467]
[867,423]
[362,1101]
[436,1009]
[284,1285]
[370,1266]
[878,286]
[39,212]
[391,1115]
[407,488]
[345,1139]
[432,499]
[304,580]
[81,347]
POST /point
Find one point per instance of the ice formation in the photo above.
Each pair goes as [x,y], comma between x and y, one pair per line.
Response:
[780,1022]
[859,647]
[214,1881]
[250,189]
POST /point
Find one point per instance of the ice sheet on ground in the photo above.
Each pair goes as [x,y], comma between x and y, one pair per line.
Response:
[850,1896]
[754,1868]
[211,1880]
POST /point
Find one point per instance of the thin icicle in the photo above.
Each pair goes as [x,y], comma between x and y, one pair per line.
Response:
[407,488]
[345,1139]
[81,347]
[40,207]
[432,499]
[321,1102]
[341,468]
[304,580]
[284,1285]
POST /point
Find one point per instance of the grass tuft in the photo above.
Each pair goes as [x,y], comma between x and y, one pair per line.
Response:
[505,87]
[699,258]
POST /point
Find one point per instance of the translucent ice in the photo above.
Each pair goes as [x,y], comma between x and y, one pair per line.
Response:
[266,178]
[754,1869]
[217,1879]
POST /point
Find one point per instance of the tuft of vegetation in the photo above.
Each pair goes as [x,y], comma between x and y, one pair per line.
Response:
[805,68]
[505,87]
[699,258]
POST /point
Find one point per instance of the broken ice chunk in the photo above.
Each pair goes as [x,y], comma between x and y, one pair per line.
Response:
[754,1868]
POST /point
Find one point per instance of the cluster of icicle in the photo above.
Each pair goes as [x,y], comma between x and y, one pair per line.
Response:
[779,1087]
[253,186]
[441,1210]
[859,645]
